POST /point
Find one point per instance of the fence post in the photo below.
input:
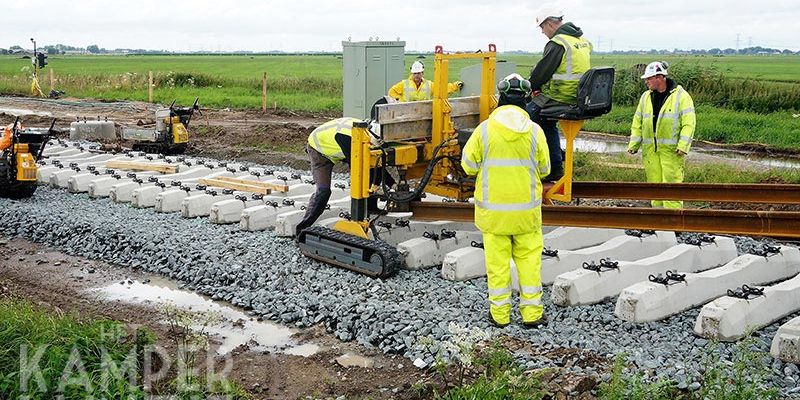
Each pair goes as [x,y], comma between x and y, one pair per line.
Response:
[52,80]
[150,86]
[264,93]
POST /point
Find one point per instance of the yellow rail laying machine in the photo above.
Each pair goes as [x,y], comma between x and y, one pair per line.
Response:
[423,140]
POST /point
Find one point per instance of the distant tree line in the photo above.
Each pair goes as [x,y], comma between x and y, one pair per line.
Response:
[95,49]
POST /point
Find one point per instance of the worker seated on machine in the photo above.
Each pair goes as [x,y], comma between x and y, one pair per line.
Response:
[417,88]
[328,145]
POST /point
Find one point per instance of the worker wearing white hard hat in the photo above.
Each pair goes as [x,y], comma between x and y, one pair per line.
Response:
[663,128]
[416,87]
[554,79]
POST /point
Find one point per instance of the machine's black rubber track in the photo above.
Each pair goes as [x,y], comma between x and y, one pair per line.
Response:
[378,259]
[10,188]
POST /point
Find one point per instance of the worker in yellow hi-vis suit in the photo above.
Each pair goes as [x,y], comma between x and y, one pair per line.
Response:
[508,153]
[663,127]
[416,87]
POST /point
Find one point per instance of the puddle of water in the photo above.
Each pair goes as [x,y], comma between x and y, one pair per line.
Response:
[594,145]
[21,112]
[355,360]
[234,328]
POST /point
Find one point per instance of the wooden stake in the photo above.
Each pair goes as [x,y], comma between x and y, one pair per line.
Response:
[264,93]
[52,80]
[150,87]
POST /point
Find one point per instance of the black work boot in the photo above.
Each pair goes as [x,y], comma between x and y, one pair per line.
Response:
[541,322]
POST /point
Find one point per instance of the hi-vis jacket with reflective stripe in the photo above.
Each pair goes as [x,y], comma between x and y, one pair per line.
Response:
[563,86]
[406,90]
[323,139]
[508,153]
[675,125]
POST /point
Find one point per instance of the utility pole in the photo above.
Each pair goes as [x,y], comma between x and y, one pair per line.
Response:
[611,46]
[737,42]
[749,41]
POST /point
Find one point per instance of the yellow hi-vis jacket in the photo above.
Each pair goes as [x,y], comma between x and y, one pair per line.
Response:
[508,153]
[323,139]
[563,86]
[675,125]
[406,90]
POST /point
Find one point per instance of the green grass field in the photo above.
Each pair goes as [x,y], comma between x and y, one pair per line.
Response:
[739,98]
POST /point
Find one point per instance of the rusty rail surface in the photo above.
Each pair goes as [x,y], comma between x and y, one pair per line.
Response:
[735,193]
[784,224]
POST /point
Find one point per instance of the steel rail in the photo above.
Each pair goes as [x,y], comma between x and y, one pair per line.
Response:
[727,192]
[783,224]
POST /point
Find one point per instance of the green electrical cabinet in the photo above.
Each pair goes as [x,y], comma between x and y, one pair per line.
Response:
[369,70]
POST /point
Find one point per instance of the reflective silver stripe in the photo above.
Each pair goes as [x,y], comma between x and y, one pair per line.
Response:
[427,85]
[689,110]
[505,302]
[407,89]
[500,292]
[544,167]
[510,207]
[675,118]
[513,162]
[567,77]
[530,290]
[660,141]
[530,302]
[645,116]
[471,164]
[687,139]
[637,139]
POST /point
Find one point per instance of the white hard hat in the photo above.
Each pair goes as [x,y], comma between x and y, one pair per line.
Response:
[548,11]
[417,66]
[655,68]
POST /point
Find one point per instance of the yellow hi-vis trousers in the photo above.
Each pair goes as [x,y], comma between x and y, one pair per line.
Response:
[663,166]
[526,250]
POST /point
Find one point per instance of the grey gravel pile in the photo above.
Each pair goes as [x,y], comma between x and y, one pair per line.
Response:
[267,274]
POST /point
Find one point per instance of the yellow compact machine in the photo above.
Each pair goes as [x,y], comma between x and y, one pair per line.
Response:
[171,135]
[422,141]
[21,149]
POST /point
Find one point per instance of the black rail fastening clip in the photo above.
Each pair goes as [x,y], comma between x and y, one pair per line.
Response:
[403,223]
[431,235]
[477,245]
[550,252]
[766,250]
[701,240]
[640,233]
[445,234]
[606,264]
[670,278]
[746,292]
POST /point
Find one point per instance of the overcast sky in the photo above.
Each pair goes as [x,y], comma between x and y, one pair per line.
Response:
[458,25]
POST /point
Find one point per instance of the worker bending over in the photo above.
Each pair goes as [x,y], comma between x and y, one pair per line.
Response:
[554,79]
[328,145]
[663,127]
[6,136]
[416,87]
[508,153]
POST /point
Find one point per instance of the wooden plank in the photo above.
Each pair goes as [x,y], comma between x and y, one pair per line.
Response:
[271,186]
[143,166]
[242,187]
[400,121]
[419,110]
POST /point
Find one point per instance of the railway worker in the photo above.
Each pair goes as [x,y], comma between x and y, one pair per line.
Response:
[554,79]
[416,87]
[508,153]
[327,145]
[663,127]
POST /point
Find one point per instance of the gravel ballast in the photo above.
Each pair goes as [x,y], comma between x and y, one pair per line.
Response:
[267,275]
